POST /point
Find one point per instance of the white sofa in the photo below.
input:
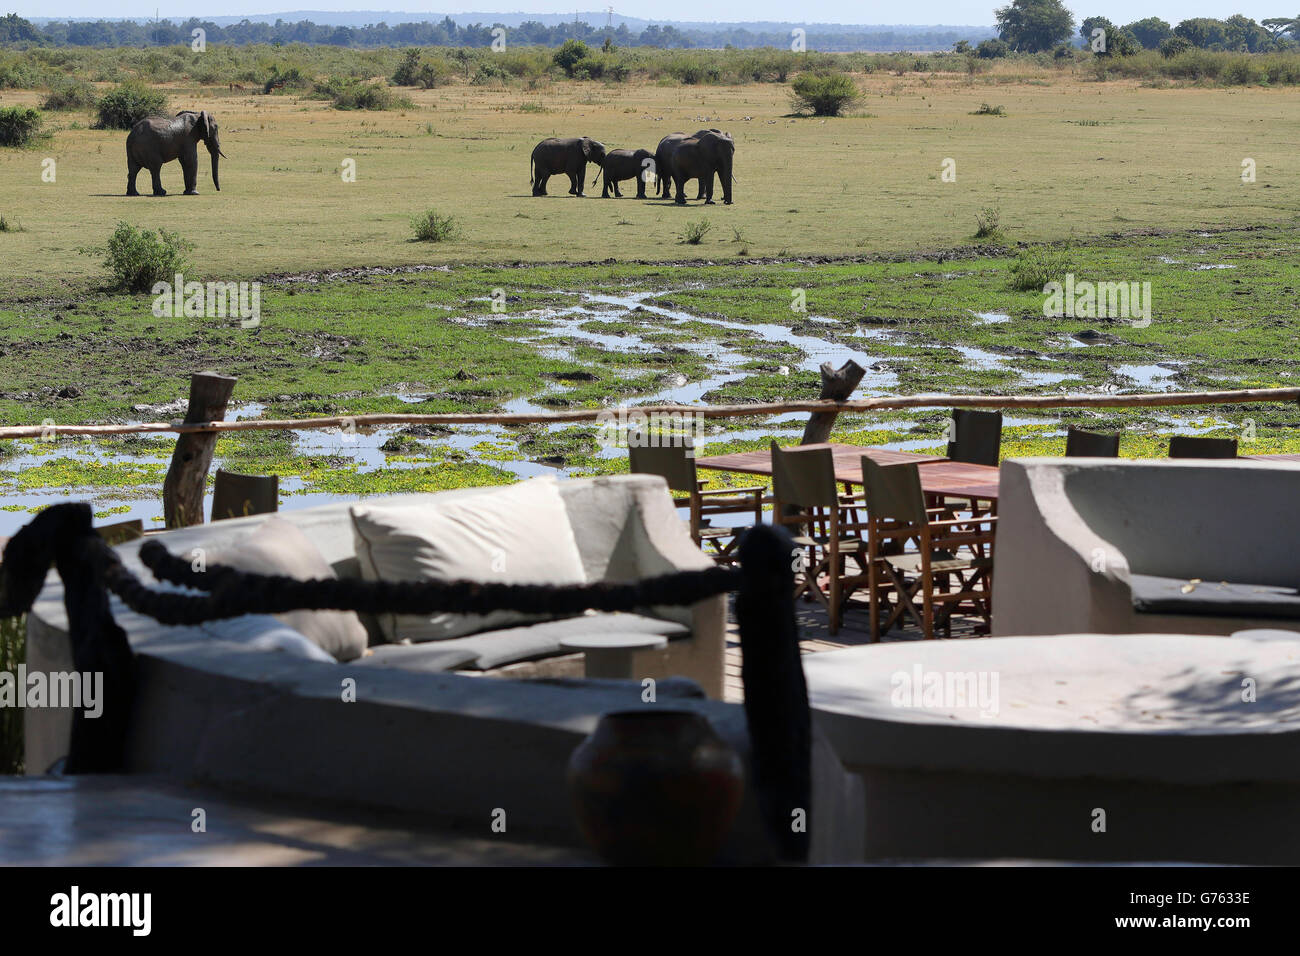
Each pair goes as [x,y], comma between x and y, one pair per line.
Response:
[625,526]
[1088,545]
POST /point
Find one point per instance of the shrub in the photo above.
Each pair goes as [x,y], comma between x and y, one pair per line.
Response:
[1171,47]
[489,73]
[7,225]
[988,223]
[352,94]
[18,125]
[12,653]
[993,49]
[696,231]
[1036,266]
[569,55]
[986,110]
[429,226]
[70,94]
[408,69]
[291,78]
[130,102]
[137,258]
[824,93]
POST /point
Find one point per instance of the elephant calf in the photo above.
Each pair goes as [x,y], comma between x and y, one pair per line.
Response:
[569,156]
[156,140]
[623,164]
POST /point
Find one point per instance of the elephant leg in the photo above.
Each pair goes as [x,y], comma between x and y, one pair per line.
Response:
[707,191]
[132,170]
[700,194]
[680,183]
[156,173]
[539,187]
[640,187]
[617,194]
[191,173]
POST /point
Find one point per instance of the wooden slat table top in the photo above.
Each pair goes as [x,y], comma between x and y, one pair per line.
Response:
[1287,456]
[939,475]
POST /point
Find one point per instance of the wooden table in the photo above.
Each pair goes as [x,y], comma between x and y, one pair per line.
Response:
[940,477]
[1282,457]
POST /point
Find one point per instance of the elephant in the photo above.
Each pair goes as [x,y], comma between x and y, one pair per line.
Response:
[623,164]
[662,153]
[156,140]
[569,156]
[701,157]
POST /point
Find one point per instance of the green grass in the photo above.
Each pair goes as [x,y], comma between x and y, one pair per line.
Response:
[13,651]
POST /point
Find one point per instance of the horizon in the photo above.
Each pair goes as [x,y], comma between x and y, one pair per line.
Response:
[930,13]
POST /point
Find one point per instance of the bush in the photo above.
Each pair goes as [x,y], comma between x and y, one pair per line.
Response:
[130,102]
[489,73]
[988,223]
[353,94]
[137,258]
[1171,47]
[993,49]
[1036,266]
[18,125]
[570,54]
[986,110]
[8,226]
[13,651]
[408,69]
[824,93]
[696,231]
[70,94]
[291,78]
[431,227]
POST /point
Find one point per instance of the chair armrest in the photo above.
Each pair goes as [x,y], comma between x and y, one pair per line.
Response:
[759,489]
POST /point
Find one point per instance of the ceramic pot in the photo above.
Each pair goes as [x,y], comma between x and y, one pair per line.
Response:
[655,788]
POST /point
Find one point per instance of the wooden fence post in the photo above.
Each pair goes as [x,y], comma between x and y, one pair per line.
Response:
[837,385]
[187,477]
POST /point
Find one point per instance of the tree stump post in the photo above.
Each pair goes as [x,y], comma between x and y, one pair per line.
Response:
[837,385]
[187,476]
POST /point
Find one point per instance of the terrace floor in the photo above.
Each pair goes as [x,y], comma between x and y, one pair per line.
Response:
[814,636]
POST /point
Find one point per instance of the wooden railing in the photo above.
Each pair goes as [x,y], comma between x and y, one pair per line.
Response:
[210,393]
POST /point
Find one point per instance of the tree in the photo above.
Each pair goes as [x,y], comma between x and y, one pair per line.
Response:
[1150,31]
[1031,26]
[570,54]
[1111,41]
[1171,47]
[1245,34]
[1203,32]
[14,29]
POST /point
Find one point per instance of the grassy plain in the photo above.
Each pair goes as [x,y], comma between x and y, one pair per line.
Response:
[1072,157]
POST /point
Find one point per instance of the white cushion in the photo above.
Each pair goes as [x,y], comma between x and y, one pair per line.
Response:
[278,547]
[518,534]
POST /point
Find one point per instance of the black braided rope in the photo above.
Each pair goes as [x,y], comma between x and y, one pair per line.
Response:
[231,593]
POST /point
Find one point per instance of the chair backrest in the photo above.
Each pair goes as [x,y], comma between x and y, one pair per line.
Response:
[674,462]
[893,492]
[1189,446]
[804,477]
[236,496]
[122,531]
[976,437]
[1082,444]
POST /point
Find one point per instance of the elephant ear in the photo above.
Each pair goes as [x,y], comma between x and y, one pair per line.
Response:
[586,147]
[202,125]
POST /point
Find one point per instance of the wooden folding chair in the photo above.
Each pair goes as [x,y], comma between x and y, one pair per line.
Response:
[1082,444]
[237,496]
[807,498]
[976,437]
[675,463]
[922,574]
[1190,446]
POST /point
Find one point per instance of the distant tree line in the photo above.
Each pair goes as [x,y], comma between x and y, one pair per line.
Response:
[130,33]
[1033,26]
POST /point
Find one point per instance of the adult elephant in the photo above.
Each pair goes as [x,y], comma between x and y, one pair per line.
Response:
[702,157]
[621,164]
[156,140]
[569,156]
[663,154]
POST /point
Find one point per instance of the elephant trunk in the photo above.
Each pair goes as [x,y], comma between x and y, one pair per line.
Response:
[214,150]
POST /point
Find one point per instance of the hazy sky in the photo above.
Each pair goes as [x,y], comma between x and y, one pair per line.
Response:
[825,11]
